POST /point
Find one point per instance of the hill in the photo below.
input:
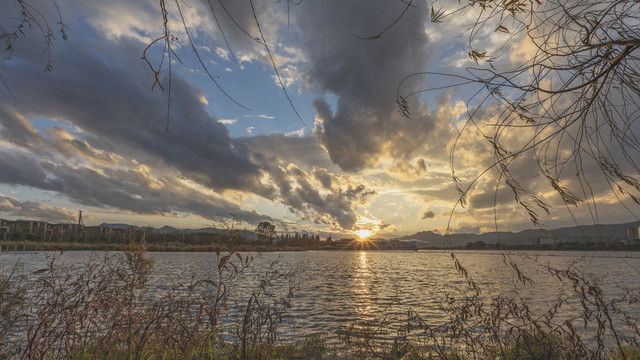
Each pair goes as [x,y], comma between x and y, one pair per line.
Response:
[585,233]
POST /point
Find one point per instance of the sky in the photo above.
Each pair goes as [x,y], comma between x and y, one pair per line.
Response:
[86,123]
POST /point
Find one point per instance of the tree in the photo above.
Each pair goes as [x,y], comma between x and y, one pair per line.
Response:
[265,232]
[576,96]
[479,245]
[329,241]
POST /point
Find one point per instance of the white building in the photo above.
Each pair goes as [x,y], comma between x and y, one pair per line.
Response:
[633,236]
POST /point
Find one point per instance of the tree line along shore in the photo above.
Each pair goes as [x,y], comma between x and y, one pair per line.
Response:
[32,235]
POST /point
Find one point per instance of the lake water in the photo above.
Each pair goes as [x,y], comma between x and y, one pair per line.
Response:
[336,290]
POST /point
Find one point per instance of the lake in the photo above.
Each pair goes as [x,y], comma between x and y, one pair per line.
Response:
[340,290]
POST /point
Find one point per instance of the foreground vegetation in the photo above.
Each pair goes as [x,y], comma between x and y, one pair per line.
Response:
[104,309]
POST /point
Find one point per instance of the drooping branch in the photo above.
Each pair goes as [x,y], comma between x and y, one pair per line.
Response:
[576,97]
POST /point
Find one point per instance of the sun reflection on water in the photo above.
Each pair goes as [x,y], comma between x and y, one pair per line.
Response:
[364,303]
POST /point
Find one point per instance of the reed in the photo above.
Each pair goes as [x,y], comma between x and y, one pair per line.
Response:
[103,309]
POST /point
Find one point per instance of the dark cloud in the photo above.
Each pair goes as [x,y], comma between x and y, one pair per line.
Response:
[304,151]
[114,101]
[364,75]
[323,177]
[387,227]
[297,190]
[137,191]
[300,172]
[428,214]
[134,190]
[19,169]
[488,197]
[33,210]
[17,130]
[67,145]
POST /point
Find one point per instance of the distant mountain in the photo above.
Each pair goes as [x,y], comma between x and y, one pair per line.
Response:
[565,234]
[208,230]
[115,226]
[429,236]
[168,229]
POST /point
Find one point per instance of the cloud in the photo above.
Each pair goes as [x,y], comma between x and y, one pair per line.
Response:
[33,210]
[136,189]
[364,75]
[17,130]
[227,121]
[410,169]
[121,122]
[464,228]
[65,144]
[306,152]
[296,133]
[337,207]
[113,100]
[223,53]
[111,105]
[14,128]
[306,181]
[428,214]
[19,169]
[203,99]
[262,116]
[324,177]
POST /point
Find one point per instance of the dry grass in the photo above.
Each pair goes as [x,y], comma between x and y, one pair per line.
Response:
[102,309]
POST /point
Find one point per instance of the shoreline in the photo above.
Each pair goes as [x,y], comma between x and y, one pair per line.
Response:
[18,246]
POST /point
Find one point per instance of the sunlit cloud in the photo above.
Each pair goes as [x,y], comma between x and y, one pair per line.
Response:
[367,226]
[296,133]
[222,53]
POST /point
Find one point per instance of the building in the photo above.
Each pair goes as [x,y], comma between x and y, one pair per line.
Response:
[542,241]
[395,244]
[633,236]
[4,229]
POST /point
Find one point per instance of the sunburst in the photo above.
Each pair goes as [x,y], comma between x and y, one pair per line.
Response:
[364,233]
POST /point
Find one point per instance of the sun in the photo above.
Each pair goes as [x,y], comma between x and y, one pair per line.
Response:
[364,233]
[366,226]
